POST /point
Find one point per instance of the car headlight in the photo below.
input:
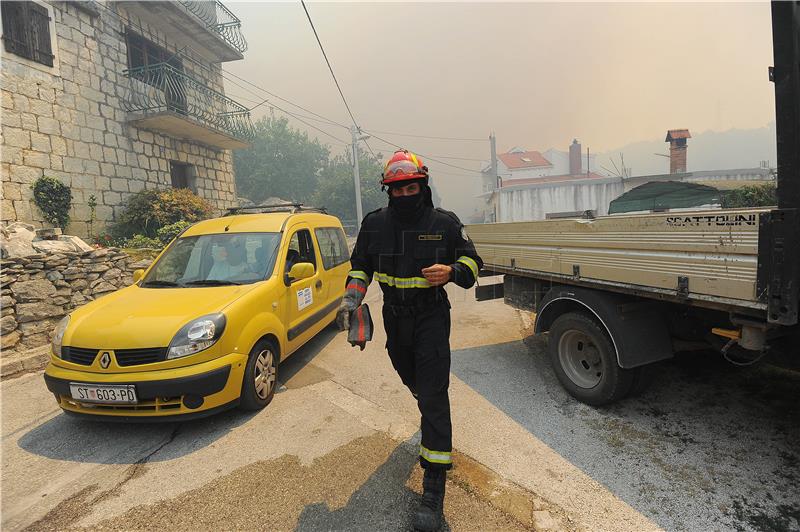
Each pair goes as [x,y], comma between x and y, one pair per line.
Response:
[196,336]
[58,335]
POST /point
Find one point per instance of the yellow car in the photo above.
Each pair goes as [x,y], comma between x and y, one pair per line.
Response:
[204,328]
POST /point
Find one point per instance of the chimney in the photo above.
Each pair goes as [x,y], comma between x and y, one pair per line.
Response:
[575,158]
[677,149]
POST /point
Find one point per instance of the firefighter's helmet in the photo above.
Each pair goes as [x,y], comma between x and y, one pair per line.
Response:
[403,166]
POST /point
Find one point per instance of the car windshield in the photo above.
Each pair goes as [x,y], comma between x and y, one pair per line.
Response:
[215,260]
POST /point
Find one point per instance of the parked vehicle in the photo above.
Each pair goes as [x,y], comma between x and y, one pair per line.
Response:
[620,293]
[205,327]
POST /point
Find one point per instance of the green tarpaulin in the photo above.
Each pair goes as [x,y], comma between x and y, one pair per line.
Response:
[660,195]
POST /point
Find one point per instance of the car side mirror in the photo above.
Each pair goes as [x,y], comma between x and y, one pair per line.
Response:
[137,276]
[301,270]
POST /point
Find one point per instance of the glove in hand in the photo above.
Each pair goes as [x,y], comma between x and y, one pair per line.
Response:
[353,296]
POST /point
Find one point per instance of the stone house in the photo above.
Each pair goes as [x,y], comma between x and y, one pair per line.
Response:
[115,97]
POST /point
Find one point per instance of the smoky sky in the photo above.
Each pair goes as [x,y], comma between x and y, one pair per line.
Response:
[537,74]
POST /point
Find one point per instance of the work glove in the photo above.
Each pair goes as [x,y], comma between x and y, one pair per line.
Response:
[353,296]
[360,327]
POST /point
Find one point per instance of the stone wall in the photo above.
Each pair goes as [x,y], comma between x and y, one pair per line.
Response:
[38,290]
[68,121]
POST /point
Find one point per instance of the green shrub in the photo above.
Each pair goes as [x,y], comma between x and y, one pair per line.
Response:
[760,195]
[106,240]
[142,241]
[180,204]
[54,199]
[168,232]
[138,217]
[149,210]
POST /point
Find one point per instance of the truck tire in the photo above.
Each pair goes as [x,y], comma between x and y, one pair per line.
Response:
[585,361]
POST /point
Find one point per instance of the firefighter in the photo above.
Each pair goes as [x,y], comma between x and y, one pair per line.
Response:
[413,249]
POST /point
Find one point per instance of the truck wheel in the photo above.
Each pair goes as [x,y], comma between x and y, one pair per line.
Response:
[260,377]
[585,361]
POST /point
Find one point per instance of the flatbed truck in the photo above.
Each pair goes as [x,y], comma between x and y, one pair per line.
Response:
[620,293]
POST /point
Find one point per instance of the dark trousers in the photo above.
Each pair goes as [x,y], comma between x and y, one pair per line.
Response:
[418,341]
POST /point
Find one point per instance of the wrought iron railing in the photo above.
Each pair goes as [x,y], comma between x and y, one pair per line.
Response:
[218,19]
[162,87]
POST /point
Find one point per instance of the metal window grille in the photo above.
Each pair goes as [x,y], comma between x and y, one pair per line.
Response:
[26,31]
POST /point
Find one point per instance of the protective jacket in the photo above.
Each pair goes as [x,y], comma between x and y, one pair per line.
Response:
[416,315]
[394,253]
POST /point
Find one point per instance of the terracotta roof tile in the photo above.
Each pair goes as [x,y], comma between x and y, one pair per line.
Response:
[527,159]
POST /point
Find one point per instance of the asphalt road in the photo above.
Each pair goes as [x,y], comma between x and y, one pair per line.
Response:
[708,447]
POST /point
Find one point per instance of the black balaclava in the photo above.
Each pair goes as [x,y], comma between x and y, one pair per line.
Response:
[410,208]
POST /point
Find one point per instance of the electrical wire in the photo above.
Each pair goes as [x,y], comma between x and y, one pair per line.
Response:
[342,142]
[355,123]
[423,155]
[430,137]
[319,118]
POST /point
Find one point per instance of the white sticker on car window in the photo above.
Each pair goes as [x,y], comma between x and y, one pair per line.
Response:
[304,298]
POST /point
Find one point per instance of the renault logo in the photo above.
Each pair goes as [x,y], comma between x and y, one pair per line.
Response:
[105,360]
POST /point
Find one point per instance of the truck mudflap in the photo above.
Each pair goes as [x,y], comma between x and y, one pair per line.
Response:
[637,329]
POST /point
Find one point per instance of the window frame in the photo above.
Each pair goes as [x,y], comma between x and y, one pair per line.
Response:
[189,174]
[32,59]
[310,242]
[342,240]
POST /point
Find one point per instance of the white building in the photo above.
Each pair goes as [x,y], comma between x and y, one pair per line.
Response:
[531,185]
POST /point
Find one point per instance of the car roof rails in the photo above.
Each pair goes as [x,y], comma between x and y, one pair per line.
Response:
[277,207]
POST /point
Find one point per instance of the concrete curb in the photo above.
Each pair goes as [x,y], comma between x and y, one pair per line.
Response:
[32,360]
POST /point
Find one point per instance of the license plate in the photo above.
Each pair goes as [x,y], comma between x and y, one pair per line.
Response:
[105,394]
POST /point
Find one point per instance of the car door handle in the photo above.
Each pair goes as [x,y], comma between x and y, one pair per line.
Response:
[319,284]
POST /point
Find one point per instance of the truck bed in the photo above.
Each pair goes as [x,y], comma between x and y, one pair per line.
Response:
[704,256]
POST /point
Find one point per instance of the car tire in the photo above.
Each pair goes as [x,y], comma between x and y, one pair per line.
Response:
[260,376]
[585,361]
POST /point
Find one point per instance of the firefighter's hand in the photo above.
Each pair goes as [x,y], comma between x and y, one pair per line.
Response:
[438,274]
[343,318]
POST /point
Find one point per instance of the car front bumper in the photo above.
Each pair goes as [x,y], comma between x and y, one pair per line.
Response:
[168,395]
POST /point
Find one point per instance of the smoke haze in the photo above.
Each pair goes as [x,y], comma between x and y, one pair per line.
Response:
[537,74]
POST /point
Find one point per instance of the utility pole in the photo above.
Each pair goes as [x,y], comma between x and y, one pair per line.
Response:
[357,177]
[495,177]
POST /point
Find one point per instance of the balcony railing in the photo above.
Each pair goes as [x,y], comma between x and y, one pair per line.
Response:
[162,88]
[220,20]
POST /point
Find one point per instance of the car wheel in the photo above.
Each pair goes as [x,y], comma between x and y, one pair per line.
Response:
[585,361]
[260,376]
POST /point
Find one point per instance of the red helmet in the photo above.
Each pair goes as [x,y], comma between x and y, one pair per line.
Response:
[403,166]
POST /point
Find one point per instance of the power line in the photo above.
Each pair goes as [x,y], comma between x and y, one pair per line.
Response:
[461,158]
[329,64]
[343,142]
[423,155]
[431,137]
[265,91]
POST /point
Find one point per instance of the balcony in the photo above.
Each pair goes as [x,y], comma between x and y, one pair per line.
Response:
[164,99]
[219,19]
[206,26]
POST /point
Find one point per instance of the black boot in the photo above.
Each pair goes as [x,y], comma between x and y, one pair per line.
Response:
[429,514]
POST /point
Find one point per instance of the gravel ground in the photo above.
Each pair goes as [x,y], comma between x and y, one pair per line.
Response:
[708,447]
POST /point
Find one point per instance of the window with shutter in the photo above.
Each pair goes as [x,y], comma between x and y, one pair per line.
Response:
[40,34]
[26,31]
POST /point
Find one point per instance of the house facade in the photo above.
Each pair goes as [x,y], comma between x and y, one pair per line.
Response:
[115,97]
[531,184]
